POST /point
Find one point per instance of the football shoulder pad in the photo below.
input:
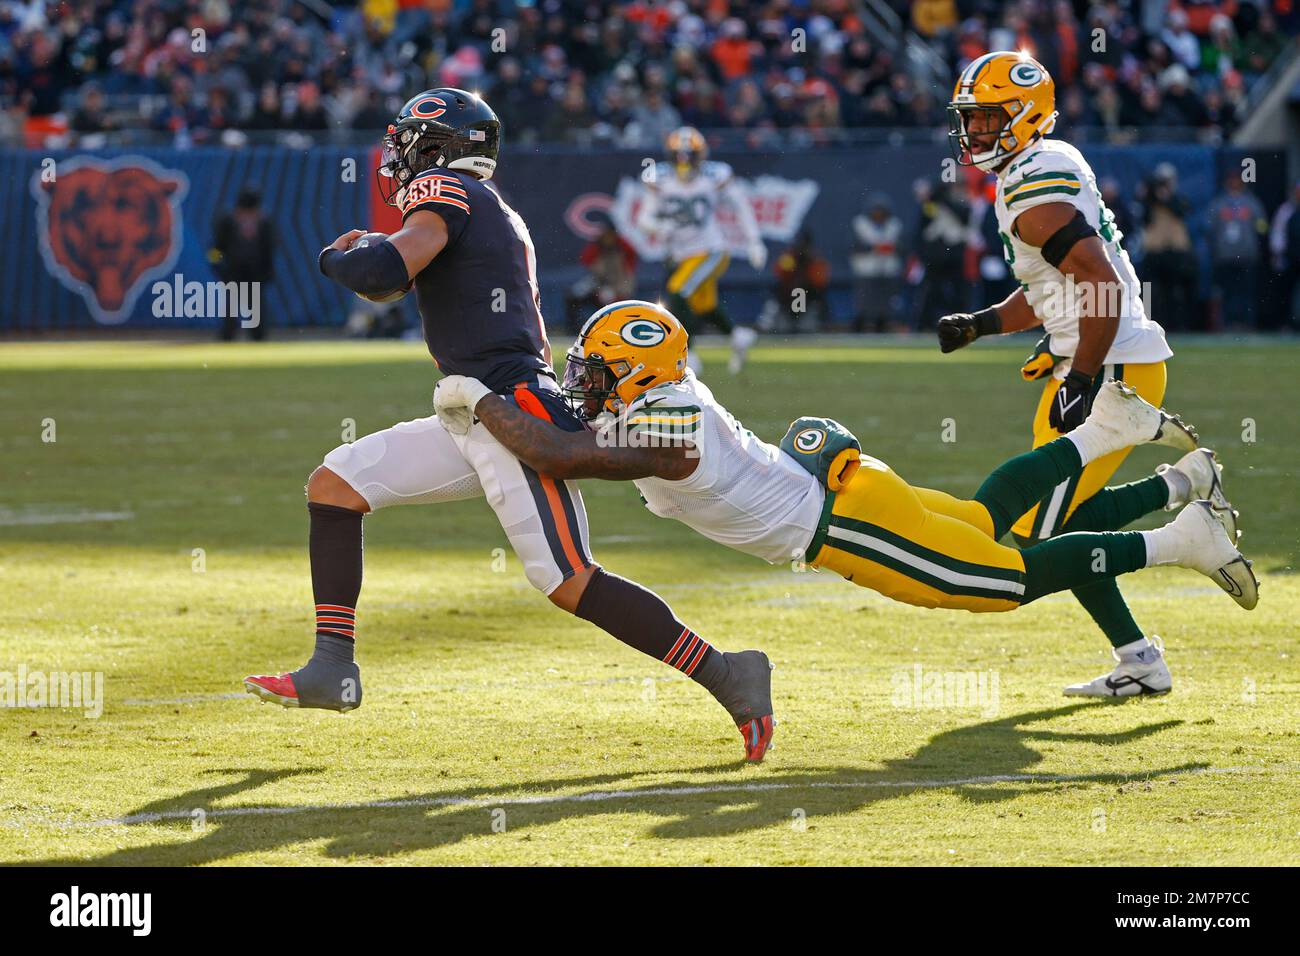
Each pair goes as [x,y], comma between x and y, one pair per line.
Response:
[1055,172]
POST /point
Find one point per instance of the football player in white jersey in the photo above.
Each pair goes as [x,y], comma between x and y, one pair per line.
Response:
[681,210]
[1077,283]
[820,502]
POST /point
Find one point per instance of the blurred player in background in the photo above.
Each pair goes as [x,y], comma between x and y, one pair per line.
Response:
[1076,281]
[471,260]
[681,212]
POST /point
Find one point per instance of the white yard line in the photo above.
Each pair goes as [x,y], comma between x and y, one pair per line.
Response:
[11,519]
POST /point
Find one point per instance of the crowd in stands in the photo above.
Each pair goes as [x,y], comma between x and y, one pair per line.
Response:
[909,270]
[625,72]
[612,72]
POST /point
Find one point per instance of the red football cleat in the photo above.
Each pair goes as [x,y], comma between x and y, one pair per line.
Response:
[757,734]
[273,689]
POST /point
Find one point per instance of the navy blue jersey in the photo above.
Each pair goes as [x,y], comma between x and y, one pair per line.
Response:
[479,301]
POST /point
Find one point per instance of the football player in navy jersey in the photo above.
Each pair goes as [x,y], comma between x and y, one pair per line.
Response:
[471,261]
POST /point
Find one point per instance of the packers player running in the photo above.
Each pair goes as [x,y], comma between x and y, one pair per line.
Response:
[460,246]
[818,499]
[1077,282]
[682,211]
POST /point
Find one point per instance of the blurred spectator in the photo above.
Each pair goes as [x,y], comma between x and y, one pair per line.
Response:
[798,302]
[877,264]
[1236,223]
[1284,245]
[1168,263]
[1182,42]
[91,115]
[610,262]
[940,252]
[243,250]
[639,69]
[1285,249]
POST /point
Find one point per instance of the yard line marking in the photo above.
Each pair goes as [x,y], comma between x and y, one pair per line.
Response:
[16,518]
[597,796]
[189,699]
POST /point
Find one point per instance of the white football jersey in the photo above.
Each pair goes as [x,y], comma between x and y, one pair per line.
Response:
[744,493]
[1054,171]
[685,211]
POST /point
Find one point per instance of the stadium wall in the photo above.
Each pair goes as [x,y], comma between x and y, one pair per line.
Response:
[89,235]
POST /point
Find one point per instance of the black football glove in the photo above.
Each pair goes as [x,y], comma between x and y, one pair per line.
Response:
[963,328]
[1072,402]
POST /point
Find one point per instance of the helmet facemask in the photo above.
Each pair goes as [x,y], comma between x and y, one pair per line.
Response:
[588,384]
[992,124]
[408,150]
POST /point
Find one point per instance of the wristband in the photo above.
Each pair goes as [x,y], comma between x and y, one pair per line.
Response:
[987,322]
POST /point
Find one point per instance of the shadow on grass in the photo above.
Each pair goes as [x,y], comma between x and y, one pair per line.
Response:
[704,801]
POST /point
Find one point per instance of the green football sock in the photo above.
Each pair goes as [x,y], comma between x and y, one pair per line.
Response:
[1109,510]
[1108,609]
[1018,484]
[1077,560]
[1112,508]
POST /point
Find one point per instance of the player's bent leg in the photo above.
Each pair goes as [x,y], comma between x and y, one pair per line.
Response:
[1048,518]
[546,523]
[1119,419]
[880,535]
[412,462]
[740,681]
[967,510]
[1196,539]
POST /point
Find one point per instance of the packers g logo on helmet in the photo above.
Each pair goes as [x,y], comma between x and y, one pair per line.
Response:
[810,440]
[623,351]
[642,332]
[1026,74]
[1003,102]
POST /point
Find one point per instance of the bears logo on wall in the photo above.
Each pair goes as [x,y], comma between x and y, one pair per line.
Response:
[107,227]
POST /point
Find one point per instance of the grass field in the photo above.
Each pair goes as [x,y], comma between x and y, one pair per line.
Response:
[498,730]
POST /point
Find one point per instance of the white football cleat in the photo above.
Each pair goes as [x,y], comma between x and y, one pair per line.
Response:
[1201,543]
[1203,472]
[1145,675]
[1129,419]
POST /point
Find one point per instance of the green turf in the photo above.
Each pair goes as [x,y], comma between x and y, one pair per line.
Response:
[485,705]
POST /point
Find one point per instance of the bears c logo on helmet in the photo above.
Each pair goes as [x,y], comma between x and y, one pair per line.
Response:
[431,108]
[107,228]
[642,332]
[810,440]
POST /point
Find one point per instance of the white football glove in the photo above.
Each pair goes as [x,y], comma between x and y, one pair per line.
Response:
[454,399]
[758,255]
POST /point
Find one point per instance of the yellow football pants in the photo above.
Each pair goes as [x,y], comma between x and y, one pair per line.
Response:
[696,280]
[1047,518]
[917,545]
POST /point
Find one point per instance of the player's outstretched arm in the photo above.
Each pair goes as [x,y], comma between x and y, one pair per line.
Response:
[556,453]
